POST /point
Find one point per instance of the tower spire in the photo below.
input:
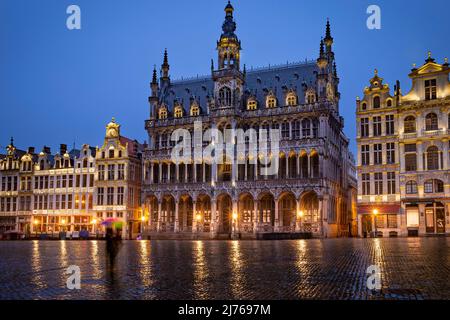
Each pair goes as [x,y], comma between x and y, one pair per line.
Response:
[165,68]
[154,77]
[328,38]
[229,45]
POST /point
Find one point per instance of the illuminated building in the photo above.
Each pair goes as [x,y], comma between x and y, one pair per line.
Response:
[403,154]
[314,188]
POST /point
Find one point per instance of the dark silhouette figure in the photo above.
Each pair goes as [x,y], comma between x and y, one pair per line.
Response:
[113,242]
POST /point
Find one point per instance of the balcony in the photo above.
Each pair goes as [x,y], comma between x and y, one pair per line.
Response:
[432,133]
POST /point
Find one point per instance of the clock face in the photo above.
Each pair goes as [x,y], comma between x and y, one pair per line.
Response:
[112,133]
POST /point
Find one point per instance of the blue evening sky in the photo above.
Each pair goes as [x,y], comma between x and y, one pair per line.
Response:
[61,86]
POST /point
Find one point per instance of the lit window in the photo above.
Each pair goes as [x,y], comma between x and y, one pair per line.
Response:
[195,110]
[178,112]
[251,105]
[271,102]
[163,113]
[291,100]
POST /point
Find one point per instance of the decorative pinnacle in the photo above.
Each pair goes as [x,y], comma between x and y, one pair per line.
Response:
[113,120]
[328,31]
[376,72]
[154,78]
[12,141]
[321,47]
[166,60]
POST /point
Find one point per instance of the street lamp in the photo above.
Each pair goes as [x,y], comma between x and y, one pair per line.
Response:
[300,215]
[142,224]
[375,213]
[234,217]
[35,222]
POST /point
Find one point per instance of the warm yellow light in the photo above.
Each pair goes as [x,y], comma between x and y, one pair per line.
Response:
[235,216]
[63,221]
[300,214]
[375,211]
[198,217]
[143,218]
[94,221]
[35,222]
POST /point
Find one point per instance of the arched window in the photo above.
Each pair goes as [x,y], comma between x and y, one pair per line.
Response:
[306,128]
[162,113]
[411,187]
[178,113]
[432,158]
[389,103]
[376,102]
[251,104]
[364,106]
[195,110]
[271,102]
[431,122]
[225,96]
[410,124]
[291,99]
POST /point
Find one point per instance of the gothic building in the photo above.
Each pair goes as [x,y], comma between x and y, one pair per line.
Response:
[403,154]
[314,187]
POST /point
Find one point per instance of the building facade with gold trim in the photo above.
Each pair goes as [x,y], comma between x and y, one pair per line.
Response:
[403,154]
[314,187]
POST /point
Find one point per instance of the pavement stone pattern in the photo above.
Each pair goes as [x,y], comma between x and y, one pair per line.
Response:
[411,269]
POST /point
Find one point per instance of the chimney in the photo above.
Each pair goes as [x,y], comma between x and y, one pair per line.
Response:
[46,150]
[62,149]
[31,150]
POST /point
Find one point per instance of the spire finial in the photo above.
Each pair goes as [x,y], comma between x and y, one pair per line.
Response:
[328,30]
[376,72]
[429,57]
[113,120]
[166,60]
[446,61]
[154,77]
[229,9]
[429,54]
[12,141]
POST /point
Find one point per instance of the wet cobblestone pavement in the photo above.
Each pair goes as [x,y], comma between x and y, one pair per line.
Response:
[411,268]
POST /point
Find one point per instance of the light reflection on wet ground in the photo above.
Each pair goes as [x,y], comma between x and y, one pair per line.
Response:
[411,268]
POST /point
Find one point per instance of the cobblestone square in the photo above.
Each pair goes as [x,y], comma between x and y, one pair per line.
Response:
[411,268]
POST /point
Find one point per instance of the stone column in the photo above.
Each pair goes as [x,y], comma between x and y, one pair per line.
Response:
[177,172]
[277,220]
[287,166]
[194,217]
[420,164]
[235,223]
[402,157]
[298,220]
[176,227]
[213,217]
[255,216]
[445,154]
[151,172]
[158,225]
[160,171]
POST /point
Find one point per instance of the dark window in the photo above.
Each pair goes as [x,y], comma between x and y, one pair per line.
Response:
[430,89]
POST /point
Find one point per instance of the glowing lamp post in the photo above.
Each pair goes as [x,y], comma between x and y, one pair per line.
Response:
[375,213]
[234,217]
[35,222]
[198,217]
[142,223]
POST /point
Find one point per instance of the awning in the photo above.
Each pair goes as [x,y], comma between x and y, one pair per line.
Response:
[382,208]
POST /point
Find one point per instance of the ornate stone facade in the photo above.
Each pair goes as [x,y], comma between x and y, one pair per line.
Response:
[314,188]
[403,154]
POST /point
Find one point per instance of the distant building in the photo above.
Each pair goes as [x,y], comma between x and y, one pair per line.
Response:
[313,189]
[71,191]
[118,180]
[403,154]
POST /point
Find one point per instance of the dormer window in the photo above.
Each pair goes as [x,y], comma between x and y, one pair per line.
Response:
[430,89]
[376,102]
[195,110]
[162,113]
[291,100]
[178,113]
[271,102]
[310,96]
[111,153]
[251,105]
[364,106]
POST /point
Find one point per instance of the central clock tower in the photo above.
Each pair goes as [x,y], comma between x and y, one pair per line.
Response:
[228,79]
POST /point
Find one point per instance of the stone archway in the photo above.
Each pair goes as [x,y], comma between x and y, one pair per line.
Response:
[167,214]
[266,211]
[224,208]
[246,212]
[203,212]
[309,207]
[287,207]
[185,213]
[151,208]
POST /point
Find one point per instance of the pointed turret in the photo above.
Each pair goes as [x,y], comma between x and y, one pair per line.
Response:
[165,79]
[328,38]
[154,83]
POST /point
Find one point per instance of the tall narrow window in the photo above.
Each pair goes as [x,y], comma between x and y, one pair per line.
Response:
[431,122]
[306,128]
[390,152]
[433,158]
[376,126]
[391,182]
[365,177]
[364,127]
[430,89]
[376,102]
[365,155]
[377,153]
[390,124]
[410,162]
[378,179]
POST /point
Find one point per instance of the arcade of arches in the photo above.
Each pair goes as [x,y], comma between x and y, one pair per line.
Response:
[243,214]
